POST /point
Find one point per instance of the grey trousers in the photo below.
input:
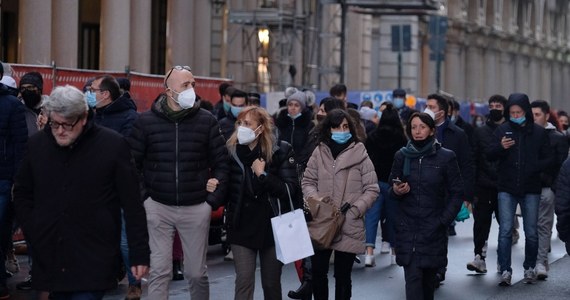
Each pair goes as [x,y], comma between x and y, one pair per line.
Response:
[270,268]
[192,223]
[544,225]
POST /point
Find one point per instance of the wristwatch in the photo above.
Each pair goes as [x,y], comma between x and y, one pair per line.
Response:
[262,176]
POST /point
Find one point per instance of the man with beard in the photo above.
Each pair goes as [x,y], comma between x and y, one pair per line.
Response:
[31,87]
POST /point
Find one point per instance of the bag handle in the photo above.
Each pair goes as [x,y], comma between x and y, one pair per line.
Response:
[290,200]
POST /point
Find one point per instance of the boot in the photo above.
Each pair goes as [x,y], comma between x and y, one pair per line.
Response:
[177,273]
[306,289]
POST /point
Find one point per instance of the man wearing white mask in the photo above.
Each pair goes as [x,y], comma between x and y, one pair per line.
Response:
[182,159]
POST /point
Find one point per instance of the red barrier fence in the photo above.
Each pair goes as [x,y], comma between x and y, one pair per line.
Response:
[144,87]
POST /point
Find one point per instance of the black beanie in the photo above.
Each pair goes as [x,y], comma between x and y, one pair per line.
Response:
[33,78]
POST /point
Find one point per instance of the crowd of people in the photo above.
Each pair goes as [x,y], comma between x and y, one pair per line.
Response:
[98,187]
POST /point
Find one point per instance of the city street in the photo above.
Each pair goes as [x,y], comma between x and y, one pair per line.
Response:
[387,282]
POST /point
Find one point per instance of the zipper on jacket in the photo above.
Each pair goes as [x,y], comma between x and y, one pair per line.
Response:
[418,199]
[519,170]
[292,133]
[176,165]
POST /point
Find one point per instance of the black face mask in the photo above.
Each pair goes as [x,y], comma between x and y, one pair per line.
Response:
[320,118]
[565,126]
[31,99]
[495,115]
[422,143]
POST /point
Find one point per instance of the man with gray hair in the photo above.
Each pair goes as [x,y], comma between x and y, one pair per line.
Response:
[73,182]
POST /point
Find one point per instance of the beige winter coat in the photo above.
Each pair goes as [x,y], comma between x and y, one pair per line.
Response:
[351,174]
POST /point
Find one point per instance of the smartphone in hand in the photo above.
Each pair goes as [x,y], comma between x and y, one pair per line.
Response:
[397,181]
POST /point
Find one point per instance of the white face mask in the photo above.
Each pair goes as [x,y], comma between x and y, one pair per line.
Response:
[429,112]
[246,135]
[186,99]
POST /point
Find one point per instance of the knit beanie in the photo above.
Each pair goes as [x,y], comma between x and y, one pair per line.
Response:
[299,97]
[33,78]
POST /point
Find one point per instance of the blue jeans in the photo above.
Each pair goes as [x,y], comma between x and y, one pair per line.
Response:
[5,224]
[374,214]
[507,204]
[125,252]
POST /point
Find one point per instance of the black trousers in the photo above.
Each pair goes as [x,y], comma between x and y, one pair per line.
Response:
[484,206]
[419,281]
[343,262]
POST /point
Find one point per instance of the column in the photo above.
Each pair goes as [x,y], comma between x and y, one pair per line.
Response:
[521,74]
[507,71]
[491,77]
[140,39]
[35,32]
[546,87]
[180,33]
[454,81]
[534,72]
[65,39]
[473,72]
[115,31]
[202,45]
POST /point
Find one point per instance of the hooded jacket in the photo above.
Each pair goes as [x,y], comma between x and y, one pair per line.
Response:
[118,115]
[13,133]
[295,132]
[350,178]
[176,159]
[520,166]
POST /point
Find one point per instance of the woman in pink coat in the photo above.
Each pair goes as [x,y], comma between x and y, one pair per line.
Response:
[340,168]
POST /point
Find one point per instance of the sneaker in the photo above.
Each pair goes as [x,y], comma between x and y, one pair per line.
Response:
[529,276]
[369,260]
[134,292]
[506,278]
[229,256]
[25,285]
[478,265]
[385,248]
[541,273]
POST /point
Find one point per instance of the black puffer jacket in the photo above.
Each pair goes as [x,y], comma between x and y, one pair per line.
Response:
[520,166]
[228,125]
[381,146]
[563,202]
[295,132]
[424,214]
[119,115]
[176,159]
[13,133]
[485,169]
[559,145]
[249,219]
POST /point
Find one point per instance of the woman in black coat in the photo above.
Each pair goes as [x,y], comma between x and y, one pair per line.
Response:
[428,188]
[261,171]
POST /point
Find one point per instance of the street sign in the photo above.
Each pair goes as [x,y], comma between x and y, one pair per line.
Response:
[401,38]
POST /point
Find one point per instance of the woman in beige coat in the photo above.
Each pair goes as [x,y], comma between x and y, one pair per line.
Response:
[340,168]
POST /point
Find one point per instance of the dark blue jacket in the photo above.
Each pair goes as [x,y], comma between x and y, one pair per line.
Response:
[520,166]
[119,115]
[425,213]
[176,159]
[456,140]
[563,202]
[13,133]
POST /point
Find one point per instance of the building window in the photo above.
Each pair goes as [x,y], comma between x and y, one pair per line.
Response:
[89,46]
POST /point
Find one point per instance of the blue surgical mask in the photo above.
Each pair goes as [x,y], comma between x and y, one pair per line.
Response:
[398,102]
[379,114]
[226,106]
[295,116]
[91,99]
[453,119]
[519,121]
[341,137]
[235,110]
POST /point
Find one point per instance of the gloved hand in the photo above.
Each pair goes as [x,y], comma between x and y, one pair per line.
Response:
[568,248]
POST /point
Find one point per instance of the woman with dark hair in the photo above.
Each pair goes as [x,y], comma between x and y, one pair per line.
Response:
[381,145]
[262,172]
[340,169]
[428,188]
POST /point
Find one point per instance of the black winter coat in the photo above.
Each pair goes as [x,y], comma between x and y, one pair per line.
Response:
[295,132]
[249,219]
[559,145]
[68,201]
[485,169]
[228,125]
[425,213]
[176,159]
[13,133]
[456,140]
[520,166]
[562,201]
[381,146]
[119,115]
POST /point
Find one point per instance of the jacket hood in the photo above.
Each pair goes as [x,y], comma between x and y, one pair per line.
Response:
[522,101]
[124,102]
[6,90]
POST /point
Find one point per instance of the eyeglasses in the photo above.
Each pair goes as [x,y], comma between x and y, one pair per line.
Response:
[95,90]
[177,68]
[66,126]
[30,88]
